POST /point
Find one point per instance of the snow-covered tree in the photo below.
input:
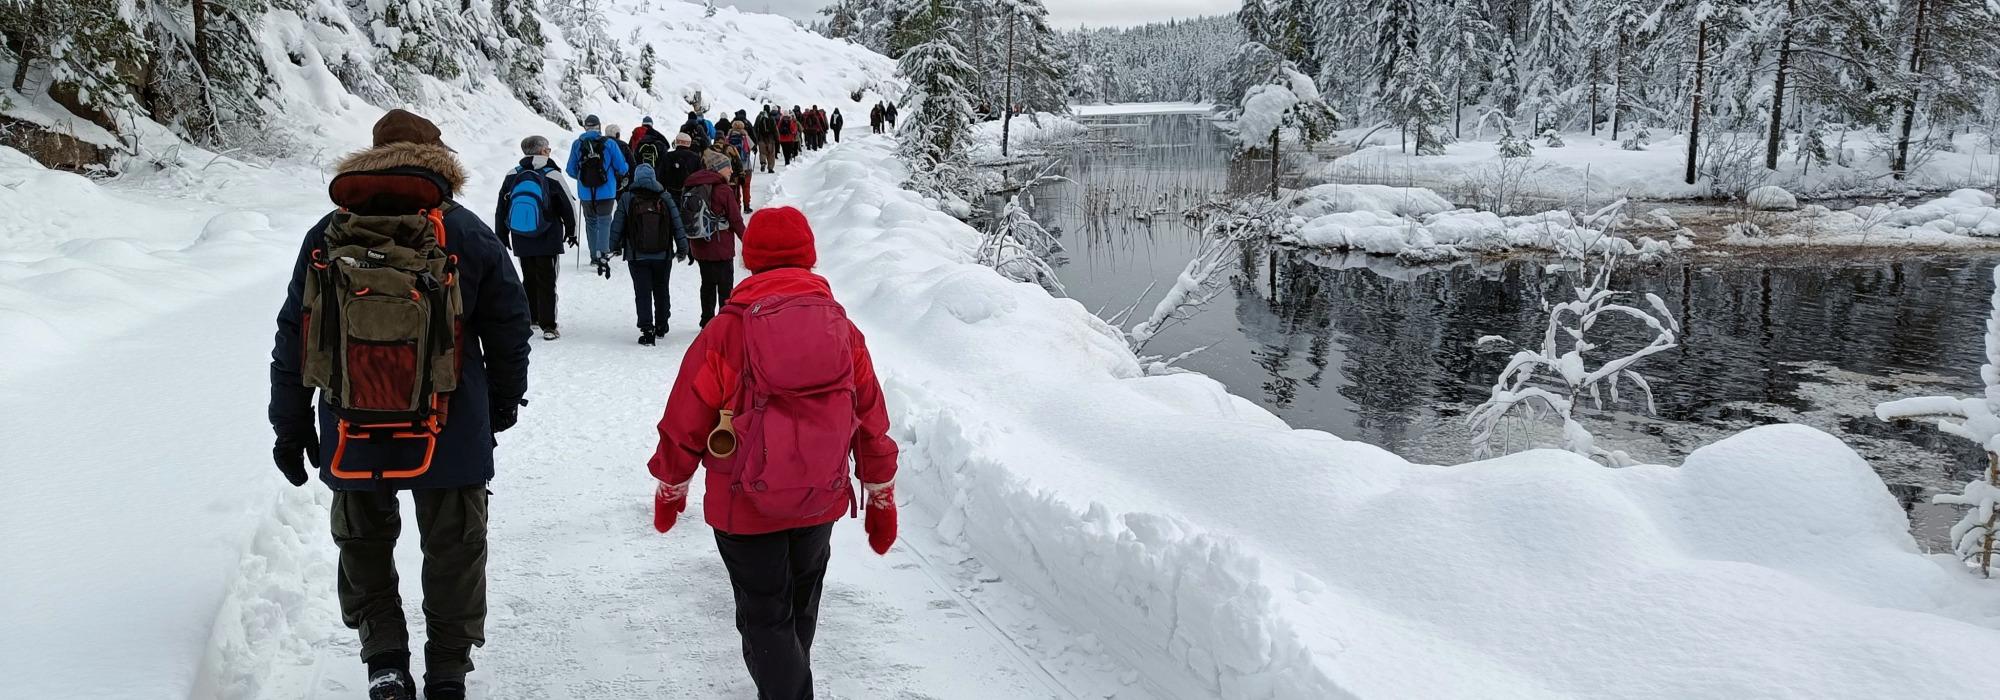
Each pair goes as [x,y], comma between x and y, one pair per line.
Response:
[1255,18]
[936,122]
[1977,419]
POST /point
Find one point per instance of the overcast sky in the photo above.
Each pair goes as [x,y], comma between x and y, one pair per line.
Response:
[1063,14]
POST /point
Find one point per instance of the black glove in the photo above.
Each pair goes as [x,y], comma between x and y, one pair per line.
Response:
[291,452]
[506,414]
[570,239]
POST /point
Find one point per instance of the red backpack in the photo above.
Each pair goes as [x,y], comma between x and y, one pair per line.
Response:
[796,425]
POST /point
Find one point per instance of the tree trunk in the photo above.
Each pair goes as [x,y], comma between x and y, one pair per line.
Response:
[1901,166]
[1458,108]
[1007,105]
[1618,88]
[1778,88]
[1992,521]
[1594,82]
[201,35]
[1274,164]
[1700,70]
[26,61]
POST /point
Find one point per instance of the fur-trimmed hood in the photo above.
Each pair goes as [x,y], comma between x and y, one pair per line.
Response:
[431,157]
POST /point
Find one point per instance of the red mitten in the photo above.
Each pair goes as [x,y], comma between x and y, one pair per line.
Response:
[668,502]
[881,518]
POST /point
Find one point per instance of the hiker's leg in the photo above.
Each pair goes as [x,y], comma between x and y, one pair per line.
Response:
[597,220]
[745,190]
[810,551]
[760,574]
[642,291]
[663,271]
[550,274]
[717,276]
[452,523]
[365,527]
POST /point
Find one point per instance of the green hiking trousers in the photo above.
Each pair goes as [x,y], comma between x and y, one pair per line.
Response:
[452,526]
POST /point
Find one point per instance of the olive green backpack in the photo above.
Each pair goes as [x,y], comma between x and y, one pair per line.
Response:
[381,330]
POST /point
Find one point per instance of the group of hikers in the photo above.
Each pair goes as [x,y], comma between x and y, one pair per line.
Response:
[402,351]
[882,117]
[653,200]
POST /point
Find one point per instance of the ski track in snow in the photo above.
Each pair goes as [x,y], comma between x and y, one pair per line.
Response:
[587,601]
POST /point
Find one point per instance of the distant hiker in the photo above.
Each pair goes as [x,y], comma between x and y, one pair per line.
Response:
[639,132]
[647,231]
[597,168]
[699,129]
[714,228]
[651,149]
[740,140]
[535,219]
[679,163]
[612,134]
[835,123]
[778,472]
[875,118]
[765,131]
[889,114]
[406,318]
[788,134]
[813,122]
[742,121]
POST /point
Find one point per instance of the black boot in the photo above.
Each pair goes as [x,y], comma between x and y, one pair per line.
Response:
[391,684]
[646,337]
[444,690]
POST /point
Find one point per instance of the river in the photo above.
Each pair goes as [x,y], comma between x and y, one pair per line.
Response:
[1370,350]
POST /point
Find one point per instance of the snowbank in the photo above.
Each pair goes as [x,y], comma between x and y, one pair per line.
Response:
[1964,219]
[1770,198]
[1222,553]
[1143,108]
[1041,131]
[1417,224]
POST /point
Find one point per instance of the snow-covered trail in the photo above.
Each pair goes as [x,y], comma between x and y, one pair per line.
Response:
[587,601]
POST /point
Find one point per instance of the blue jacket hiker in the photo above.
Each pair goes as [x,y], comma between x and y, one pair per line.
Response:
[647,230]
[598,164]
[535,219]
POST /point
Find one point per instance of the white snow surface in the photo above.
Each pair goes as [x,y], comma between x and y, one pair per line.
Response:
[1413,222]
[1143,108]
[1770,198]
[1040,132]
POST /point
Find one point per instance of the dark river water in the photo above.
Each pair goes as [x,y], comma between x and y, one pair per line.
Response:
[1370,350]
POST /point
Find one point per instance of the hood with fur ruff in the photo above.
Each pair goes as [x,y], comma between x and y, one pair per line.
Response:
[431,157]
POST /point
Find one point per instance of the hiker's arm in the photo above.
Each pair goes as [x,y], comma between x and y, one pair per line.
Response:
[565,212]
[691,413]
[291,407]
[501,317]
[874,451]
[728,207]
[618,221]
[616,158]
[575,158]
[674,215]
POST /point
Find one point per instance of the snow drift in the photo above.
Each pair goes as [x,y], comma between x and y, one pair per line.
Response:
[1225,554]
[1419,224]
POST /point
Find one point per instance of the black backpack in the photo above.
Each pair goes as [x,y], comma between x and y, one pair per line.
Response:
[649,152]
[590,168]
[652,231]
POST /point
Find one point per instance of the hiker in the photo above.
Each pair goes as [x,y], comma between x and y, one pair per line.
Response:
[679,163]
[812,126]
[714,248]
[765,131]
[647,232]
[699,129]
[875,118]
[612,132]
[597,169]
[739,138]
[742,121]
[788,134]
[437,330]
[835,124]
[534,209]
[639,132]
[783,339]
[889,114]
[651,149]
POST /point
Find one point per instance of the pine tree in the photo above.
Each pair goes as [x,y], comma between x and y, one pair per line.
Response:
[1255,19]
[937,111]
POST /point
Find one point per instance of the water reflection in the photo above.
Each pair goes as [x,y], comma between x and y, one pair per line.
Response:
[1374,351]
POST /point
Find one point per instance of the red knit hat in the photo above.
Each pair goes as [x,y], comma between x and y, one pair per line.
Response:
[778,237]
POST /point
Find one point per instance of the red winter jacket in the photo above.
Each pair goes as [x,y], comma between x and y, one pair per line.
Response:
[722,198]
[710,376]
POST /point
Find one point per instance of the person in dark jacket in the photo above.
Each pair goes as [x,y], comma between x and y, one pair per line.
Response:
[716,257]
[539,251]
[889,114]
[650,269]
[639,132]
[408,169]
[835,123]
[765,132]
[875,118]
[613,133]
[679,163]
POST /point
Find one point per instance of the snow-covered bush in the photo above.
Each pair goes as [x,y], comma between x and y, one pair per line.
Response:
[1637,141]
[1513,146]
[1197,284]
[1977,419]
[1556,376]
[1553,138]
[1018,247]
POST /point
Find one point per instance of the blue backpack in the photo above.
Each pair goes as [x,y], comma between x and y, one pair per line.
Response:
[527,209]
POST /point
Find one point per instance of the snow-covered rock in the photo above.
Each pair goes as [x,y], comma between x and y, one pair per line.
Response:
[1417,224]
[1771,198]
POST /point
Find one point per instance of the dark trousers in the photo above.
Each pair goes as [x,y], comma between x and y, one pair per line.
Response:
[791,150]
[743,189]
[717,277]
[777,579]
[836,134]
[452,526]
[649,292]
[538,274]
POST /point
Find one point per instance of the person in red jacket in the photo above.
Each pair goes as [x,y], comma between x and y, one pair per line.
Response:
[780,339]
[717,256]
